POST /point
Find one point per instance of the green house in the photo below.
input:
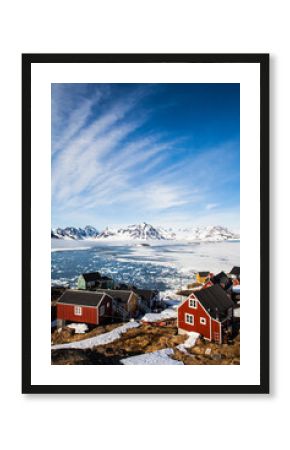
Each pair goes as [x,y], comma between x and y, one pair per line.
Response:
[94,280]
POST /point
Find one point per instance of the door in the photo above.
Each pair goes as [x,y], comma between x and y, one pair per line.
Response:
[216,337]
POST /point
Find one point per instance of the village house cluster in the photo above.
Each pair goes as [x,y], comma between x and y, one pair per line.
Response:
[98,300]
[209,305]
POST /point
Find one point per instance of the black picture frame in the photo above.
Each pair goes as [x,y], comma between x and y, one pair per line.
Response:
[27,61]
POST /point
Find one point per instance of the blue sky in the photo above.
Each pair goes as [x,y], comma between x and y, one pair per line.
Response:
[166,154]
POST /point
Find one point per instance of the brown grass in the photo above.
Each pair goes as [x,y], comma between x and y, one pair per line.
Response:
[209,353]
[145,339]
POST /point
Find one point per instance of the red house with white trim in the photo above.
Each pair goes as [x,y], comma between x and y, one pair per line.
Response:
[208,312]
[84,306]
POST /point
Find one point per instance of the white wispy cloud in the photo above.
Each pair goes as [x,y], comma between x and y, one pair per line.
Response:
[110,161]
[76,121]
[211,205]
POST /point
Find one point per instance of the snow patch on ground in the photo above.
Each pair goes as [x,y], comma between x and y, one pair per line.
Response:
[80,328]
[160,357]
[101,339]
[236,289]
[190,342]
[174,304]
[170,299]
[169,295]
[237,312]
[168,313]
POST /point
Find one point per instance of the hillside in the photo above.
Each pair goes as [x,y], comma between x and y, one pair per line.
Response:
[146,339]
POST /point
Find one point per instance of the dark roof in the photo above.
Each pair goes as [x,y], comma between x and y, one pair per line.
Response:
[222,278]
[94,276]
[214,300]
[219,276]
[186,292]
[116,294]
[203,274]
[235,270]
[79,297]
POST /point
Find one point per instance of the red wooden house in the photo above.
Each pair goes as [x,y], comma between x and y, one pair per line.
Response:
[83,306]
[208,312]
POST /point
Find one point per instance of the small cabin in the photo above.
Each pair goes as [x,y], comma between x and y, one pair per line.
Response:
[94,280]
[84,306]
[202,277]
[125,302]
[208,312]
[148,296]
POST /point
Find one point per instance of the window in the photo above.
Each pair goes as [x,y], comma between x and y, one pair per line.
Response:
[102,310]
[108,305]
[78,310]
[193,303]
[189,319]
[202,320]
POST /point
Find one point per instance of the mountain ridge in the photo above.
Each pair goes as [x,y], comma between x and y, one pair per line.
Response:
[145,232]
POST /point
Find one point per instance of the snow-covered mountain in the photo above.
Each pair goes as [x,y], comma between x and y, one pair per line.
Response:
[88,232]
[209,233]
[107,234]
[143,231]
[147,232]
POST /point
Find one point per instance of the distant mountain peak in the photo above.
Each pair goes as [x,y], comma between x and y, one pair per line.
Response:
[145,231]
[142,231]
[88,232]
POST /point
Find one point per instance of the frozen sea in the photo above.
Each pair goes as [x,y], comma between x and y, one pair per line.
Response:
[162,265]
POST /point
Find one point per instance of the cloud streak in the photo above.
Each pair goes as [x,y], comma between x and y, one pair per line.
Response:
[111,158]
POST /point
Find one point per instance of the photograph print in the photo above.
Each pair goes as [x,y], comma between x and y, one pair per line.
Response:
[145,224]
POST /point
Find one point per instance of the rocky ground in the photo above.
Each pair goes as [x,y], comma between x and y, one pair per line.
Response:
[144,339]
[208,353]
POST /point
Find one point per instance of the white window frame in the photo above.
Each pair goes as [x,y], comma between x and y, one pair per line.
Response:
[194,305]
[202,320]
[78,311]
[188,321]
